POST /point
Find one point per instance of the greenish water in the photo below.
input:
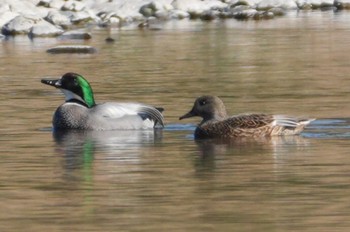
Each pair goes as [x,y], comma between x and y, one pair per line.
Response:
[164,180]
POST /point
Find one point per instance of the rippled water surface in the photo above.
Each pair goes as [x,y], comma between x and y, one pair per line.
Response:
[165,180]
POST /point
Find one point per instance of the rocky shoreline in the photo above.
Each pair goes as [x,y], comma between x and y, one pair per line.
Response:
[52,18]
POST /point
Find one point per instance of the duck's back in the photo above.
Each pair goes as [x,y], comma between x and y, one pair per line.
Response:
[250,125]
[235,126]
[115,116]
[106,116]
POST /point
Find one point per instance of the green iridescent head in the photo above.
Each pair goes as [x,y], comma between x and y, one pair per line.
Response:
[74,87]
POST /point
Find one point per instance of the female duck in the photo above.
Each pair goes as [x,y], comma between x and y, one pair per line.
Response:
[81,112]
[216,123]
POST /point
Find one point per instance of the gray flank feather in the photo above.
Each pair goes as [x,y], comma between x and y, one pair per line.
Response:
[151,113]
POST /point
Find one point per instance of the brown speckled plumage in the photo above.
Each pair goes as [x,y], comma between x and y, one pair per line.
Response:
[216,123]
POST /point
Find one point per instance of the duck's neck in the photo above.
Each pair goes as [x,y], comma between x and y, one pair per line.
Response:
[215,118]
[79,102]
[87,101]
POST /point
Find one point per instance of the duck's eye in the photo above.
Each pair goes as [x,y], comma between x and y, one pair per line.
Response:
[202,103]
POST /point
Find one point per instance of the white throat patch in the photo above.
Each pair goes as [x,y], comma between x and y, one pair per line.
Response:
[69,95]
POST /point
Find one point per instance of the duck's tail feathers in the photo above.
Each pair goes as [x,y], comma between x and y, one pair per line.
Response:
[152,113]
[286,125]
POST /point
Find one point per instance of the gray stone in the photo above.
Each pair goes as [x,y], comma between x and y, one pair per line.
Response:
[244,14]
[44,29]
[314,4]
[72,49]
[342,4]
[148,10]
[251,3]
[240,8]
[44,3]
[208,15]
[76,34]
[156,8]
[263,15]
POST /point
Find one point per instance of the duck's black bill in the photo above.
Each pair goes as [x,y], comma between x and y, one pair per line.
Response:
[55,83]
[188,115]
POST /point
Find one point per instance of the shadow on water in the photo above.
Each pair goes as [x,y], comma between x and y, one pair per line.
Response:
[328,128]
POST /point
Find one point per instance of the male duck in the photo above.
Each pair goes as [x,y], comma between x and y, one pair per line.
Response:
[216,123]
[81,112]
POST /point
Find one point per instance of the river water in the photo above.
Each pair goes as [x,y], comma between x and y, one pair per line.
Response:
[165,180]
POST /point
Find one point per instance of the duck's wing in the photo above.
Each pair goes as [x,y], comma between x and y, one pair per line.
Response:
[252,125]
[244,125]
[128,112]
[263,124]
[287,125]
[249,121]
[260,120]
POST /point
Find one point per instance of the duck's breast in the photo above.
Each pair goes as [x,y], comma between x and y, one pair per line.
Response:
[70,116]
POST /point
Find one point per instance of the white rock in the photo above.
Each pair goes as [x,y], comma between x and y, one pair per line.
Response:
[73,6]
[56,4]
[179,14]
[57,18]
[285,4]
[315,3]
[124,10]
[25,7]
[44,29]
[163,5]
[197,6]
[6,17]
[114,20]
[19,25]
[34,2]
[78,17]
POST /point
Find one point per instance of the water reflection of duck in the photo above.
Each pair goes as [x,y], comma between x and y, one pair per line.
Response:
[217,124]
[109,141]
[80,146]
[81,112]
[278,147]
